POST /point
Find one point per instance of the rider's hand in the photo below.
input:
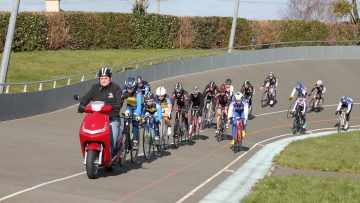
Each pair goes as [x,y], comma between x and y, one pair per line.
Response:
[261,88]
[336,113]
[81,109]
[309,94]
[186,116]
[290,98]
[138,118]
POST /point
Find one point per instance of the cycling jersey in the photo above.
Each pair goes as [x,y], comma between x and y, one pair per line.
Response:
[319,89]
[300,105]
[348,104]
[222,100]
[301,93]
[271,81]
[182,101]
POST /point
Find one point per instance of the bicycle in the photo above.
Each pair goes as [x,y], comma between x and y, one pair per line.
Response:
[149,144]
[298,123]
[238,136]
[209,113]
[268,96]
[178,128]
[319,104]
[128,141]
[341,120]
[195,124]
[221,135]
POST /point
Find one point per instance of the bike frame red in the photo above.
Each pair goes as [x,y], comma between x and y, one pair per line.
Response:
[239,128]
[94,133]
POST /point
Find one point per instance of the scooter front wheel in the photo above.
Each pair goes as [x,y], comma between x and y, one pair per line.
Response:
[92,164]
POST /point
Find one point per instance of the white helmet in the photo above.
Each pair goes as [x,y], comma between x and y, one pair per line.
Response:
[238,96]
[319,82]
[160,91]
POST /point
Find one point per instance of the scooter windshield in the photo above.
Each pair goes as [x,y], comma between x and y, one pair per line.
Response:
[97,105]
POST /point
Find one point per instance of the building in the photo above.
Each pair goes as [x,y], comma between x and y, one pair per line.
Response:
[52,5]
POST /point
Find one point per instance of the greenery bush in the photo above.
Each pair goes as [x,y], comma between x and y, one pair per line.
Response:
[80,30]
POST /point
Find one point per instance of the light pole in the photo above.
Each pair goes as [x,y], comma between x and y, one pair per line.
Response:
[233,27]
[8,44]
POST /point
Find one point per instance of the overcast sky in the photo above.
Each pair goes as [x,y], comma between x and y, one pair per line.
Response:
[250,9]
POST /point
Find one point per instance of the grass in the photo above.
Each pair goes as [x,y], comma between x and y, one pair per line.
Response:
[337,153]
[305,189]
[46,65]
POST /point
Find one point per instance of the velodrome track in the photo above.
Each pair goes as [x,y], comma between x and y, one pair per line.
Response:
[41,160]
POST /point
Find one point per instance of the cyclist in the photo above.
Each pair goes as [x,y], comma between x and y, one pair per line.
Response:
[300,89]
[143,85]
[229,87]
[155,110]
[238,108]
[248,91]
[300,105]
[164,100]
[223,100]
[180,98]
[271,82]
[196,101]
[108,92]
[133,98]
[320,89]
[345,102]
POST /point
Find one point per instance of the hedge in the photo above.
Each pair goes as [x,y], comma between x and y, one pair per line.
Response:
[81,30]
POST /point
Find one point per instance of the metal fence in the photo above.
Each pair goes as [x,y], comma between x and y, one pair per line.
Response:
[68,80]
[19,105]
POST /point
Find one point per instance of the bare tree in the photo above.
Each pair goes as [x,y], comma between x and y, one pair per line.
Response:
[140,6]
[309,10]
[347,10]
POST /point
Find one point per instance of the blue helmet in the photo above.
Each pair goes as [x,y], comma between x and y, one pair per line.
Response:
[130,83]
[298,85]
[343,97]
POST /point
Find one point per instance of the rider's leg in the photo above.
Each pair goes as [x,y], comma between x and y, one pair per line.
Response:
[168,123]
[234,126]
[114,132]
[218,112]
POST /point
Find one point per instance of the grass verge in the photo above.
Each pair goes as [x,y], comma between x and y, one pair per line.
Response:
[337,153]
[305,189]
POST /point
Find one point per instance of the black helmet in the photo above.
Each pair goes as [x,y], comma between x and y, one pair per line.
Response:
[130,83]
[149,96]
[228,81]
[104,72]
[196,90]
[139,79]
[247,82]
[212,84]
[178,87]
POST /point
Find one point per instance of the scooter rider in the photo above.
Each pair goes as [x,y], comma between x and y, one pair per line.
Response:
[345,102]
[133,97]
[108,92]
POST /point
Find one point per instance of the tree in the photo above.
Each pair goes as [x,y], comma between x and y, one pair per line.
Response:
[140,7]
[309,10]
[345,9]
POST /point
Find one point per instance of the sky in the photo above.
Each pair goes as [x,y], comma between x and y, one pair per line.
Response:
[249,9]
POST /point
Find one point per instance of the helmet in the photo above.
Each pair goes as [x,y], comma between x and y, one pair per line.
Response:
[238,96]
[343,97]
[139,79]
[246,82]
[228,81]
[104,72]
[130,83]
[178,87]
[160,91]
[212,84]
[195,90]
[149,96]
[222,88]
[298,85]
[319,82]
[271,74]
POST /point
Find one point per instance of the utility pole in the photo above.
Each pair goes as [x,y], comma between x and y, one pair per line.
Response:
[8,44]
[158,6]
[233,27]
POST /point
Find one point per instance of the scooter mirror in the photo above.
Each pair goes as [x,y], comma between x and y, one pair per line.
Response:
[76,97]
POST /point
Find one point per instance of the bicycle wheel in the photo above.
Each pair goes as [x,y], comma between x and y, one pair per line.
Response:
[320,105]
[206,114]
[295,125]
[264,100]
[176,136]
[158,148]
[146,143]
[165,136]
[123,150]
[289,111]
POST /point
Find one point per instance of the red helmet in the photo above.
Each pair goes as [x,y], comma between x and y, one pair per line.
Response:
[222,88]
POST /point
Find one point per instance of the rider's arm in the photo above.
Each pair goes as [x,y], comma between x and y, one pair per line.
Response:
[349,106]
[339,106]
[159,112]
[231,110]
[138,103]
[246,111]
[85,100]
[295,105]
[305,106]
[277,82]
[293,92]
[323,90]
[117,95]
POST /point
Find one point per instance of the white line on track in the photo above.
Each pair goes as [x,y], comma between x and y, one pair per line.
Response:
[191,193]
[182,199]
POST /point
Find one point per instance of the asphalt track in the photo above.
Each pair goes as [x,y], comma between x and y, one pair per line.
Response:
[41,160]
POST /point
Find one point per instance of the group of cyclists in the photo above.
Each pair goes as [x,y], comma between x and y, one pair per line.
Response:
[140,101]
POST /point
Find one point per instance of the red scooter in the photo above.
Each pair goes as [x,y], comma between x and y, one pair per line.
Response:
[95,140]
